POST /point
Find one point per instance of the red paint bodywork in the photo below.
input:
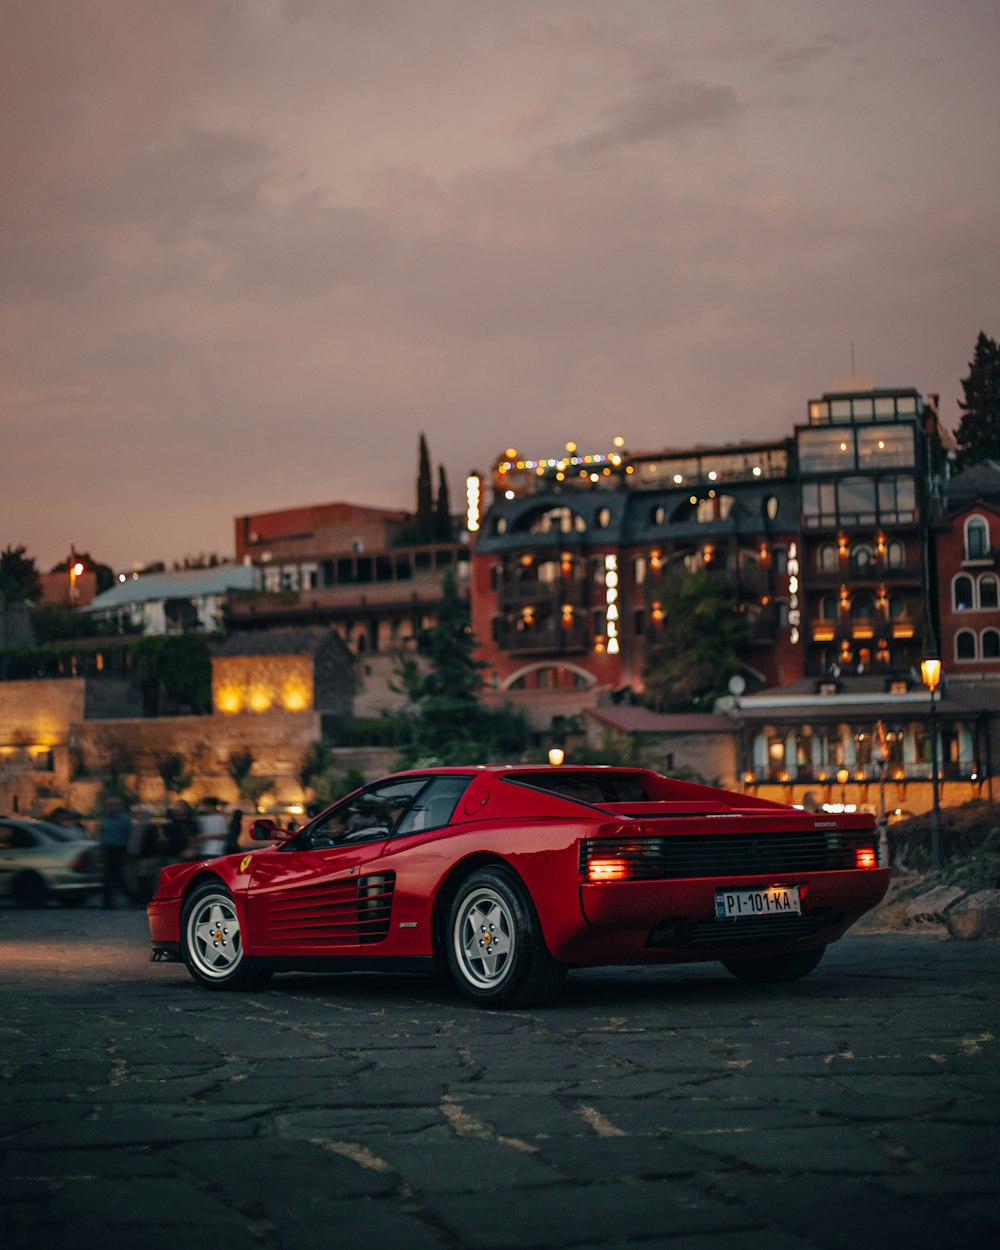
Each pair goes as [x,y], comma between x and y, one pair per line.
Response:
[300,906]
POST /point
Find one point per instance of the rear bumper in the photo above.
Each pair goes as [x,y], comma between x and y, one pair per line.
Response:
[674,921]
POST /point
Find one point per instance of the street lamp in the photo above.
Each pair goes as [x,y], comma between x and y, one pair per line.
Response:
[842,775]
[930,671]
[75,569]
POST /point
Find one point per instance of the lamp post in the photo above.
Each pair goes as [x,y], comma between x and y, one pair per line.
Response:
[75,569]
[842,775]
[930,671]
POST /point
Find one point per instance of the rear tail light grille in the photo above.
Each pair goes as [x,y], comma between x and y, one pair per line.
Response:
[728,855]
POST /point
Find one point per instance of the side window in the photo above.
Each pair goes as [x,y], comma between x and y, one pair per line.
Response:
[434,805]
[368,816]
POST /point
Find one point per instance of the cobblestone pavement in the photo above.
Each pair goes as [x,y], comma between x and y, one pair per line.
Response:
[671,1108]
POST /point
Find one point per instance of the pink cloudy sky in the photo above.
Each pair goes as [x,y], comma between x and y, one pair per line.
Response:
[251,248]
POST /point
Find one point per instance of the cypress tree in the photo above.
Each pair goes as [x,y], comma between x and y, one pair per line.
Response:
[442,518]
[424,520]
[978,433]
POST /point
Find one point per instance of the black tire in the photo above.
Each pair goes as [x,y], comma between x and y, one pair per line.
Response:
[787,967]
[30,890]
[211,941]
[496,952]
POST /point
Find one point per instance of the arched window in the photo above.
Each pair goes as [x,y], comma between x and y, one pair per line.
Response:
[827,558]
[977,539]
[862,558]
[965,645]
[989,597]
[991,644]
[895,554]
[962,594]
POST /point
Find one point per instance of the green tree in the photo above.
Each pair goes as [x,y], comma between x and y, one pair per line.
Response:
[448,723]
[425,496]
[693,654]
[443,532]
[19,579]
[978,433]
[175,674]
[173,773]
[238,766]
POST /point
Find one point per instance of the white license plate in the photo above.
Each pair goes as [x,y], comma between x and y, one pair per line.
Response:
[771,900]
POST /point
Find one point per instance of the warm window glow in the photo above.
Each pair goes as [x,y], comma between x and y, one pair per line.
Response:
[260,699]
[229,700]
[295,695]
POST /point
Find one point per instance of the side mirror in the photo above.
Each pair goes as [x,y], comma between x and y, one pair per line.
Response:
[267,831]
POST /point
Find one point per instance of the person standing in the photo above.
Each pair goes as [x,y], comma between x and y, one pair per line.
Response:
[212,830]
[235,829]
[114,834]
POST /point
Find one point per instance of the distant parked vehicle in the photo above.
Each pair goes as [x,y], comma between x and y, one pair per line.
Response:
[39,861]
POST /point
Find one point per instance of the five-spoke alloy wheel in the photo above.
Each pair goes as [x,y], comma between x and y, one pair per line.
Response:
[496,952]
[211,941]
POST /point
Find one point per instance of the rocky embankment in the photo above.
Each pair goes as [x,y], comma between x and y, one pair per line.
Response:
[962,898]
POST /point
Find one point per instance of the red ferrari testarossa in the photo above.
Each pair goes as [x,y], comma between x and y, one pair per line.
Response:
[508,876]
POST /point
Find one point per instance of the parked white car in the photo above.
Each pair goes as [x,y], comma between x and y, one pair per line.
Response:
[39,861]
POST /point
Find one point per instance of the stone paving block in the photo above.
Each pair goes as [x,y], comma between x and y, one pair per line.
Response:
[350,1122]
[838,1214]
[523,1117]
[965,1147]
[572,1215]
[593,1159]
[463,1165]
[840,1150]
[56,1165]
[362,1224]
[88,1134]
[273,1174]
[156,1201]
[654,1117]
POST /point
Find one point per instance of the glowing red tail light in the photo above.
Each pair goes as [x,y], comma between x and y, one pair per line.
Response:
[865,857]
[607,869]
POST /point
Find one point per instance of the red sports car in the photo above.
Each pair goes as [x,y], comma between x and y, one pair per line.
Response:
[508,876]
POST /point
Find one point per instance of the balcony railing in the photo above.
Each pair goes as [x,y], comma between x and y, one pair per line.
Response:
[550,636]
[863,774]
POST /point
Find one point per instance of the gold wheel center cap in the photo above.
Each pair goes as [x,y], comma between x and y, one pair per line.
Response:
[487,939]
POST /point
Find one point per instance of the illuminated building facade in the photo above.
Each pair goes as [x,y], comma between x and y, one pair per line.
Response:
[820,538]
[341,565]
[570,559]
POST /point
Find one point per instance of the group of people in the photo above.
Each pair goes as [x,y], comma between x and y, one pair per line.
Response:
[185,834]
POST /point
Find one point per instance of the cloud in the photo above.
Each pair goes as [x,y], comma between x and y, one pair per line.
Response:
[657,110]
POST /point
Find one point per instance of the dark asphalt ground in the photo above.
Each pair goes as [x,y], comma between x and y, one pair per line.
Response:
[672,1108]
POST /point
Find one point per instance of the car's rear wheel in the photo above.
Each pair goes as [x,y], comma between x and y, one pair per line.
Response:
[787,967]
[496,952]
[212,941]
[30,890]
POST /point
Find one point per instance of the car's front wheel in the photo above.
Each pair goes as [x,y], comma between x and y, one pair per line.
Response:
[787,967]
[496,952]
[212,942]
